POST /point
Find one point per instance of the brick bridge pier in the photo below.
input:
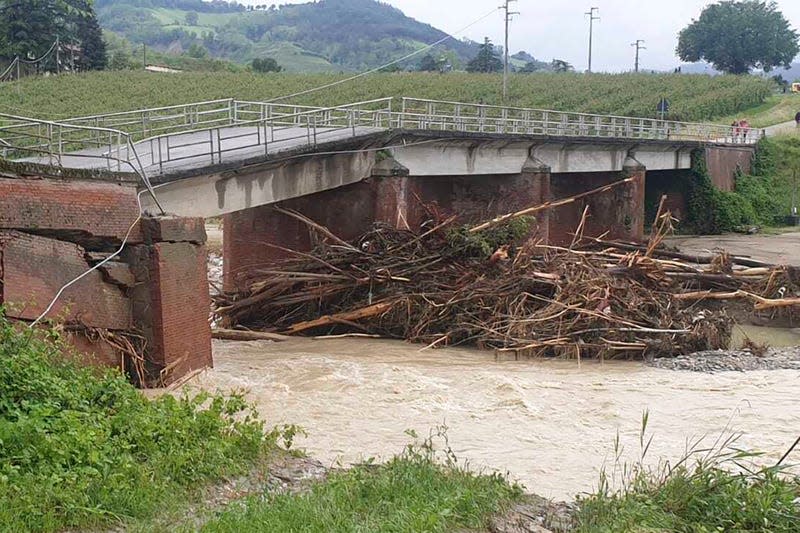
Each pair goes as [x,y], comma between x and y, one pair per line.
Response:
[153,295]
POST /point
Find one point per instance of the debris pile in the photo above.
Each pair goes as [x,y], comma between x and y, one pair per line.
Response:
[451,285]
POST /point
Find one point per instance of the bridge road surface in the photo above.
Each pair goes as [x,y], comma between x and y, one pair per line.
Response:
[191,150]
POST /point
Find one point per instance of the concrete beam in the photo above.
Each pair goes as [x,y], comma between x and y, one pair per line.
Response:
[227,192]
[476,157]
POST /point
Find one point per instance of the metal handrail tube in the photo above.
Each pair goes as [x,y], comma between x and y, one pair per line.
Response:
[148,110]
[408,100]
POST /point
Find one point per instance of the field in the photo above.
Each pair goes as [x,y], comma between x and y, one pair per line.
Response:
[692,97]
[293,58]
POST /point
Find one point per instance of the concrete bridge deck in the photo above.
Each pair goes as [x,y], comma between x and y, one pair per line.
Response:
[176,139]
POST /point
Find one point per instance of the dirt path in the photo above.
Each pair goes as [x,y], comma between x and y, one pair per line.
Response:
[781,129]
[780,249]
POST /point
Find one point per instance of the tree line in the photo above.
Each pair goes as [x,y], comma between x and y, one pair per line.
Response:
[28,29]
[735,36]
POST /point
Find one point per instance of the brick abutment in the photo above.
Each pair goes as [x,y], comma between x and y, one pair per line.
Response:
[145,310]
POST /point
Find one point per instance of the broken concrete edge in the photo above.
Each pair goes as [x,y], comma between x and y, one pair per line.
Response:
[28,170]
[170,228]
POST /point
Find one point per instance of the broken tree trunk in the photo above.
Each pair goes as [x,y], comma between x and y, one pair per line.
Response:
[241,335]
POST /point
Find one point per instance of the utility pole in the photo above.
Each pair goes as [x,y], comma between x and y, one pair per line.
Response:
[144,56]
[638,45]
[508,16]
[592,18]
[58,55]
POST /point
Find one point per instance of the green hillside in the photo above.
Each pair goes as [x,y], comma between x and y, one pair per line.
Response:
[323,36]
[693,97]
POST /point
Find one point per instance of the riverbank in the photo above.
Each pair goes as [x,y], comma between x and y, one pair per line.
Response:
[84,451]
[733,360]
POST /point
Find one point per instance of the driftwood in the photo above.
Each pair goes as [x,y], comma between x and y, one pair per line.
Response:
[450,285]
[340,318]
[689,258]
[761,303]
[241,335]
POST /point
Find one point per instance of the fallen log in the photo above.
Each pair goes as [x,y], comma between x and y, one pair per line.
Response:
[241,335]
[349,316]
[691,258]
[761,302]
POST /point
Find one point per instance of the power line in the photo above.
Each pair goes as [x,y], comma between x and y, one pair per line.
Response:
[374,70]
[638,45]
[508,16]
[592,18]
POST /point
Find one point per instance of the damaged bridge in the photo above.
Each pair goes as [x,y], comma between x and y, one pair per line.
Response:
[128,193]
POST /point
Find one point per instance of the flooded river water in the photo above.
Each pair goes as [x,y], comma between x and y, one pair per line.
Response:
[550,424]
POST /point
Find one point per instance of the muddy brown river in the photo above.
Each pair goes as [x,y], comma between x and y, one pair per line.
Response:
[550,424]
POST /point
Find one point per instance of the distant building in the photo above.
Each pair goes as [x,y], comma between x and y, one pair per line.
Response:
[157,68]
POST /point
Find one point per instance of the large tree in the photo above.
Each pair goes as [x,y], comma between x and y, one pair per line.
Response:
[559,65]
[89,36]
[487,59]
[737,36]
[428,64]
[30,27]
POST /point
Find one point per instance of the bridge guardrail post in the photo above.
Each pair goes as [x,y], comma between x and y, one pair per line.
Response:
[119,151]
[59,144]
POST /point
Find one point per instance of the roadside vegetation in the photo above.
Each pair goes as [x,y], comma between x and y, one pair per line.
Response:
[776,109]
[712,488]
[765,197]
[692,97]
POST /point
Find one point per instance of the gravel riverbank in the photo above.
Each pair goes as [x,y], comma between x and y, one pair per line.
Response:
[733,361]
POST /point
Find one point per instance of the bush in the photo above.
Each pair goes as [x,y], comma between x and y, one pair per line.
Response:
[80,448]
[757,200]
[267,64]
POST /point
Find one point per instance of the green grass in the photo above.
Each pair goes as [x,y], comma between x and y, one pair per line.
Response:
[293,58]
[692,97]
[698,499]
[210,21]
[715,488]
[776,109]
[80,448]
[413,492]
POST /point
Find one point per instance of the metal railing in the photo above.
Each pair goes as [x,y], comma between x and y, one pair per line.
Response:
[155,140]
[266,126]
[52,143]
[480,118]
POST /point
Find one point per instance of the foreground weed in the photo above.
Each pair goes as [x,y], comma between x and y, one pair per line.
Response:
[415,491]
[81,448]
[712,488]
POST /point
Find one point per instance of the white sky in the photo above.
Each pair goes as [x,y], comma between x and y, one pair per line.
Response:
[559,29]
